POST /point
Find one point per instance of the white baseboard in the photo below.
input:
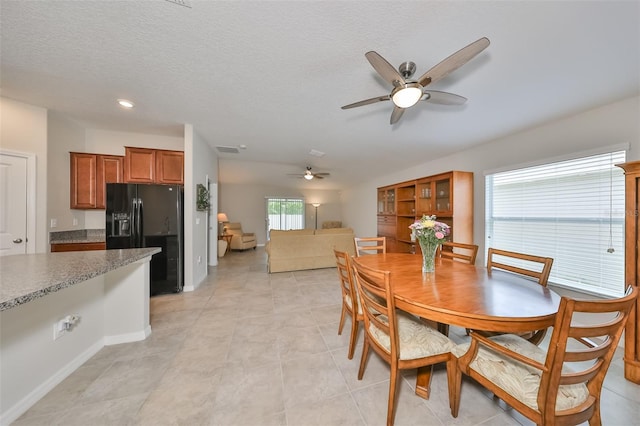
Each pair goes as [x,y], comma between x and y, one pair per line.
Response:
[127,338]
[45,387]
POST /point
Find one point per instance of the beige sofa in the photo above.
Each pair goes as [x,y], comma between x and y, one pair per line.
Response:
[307,249]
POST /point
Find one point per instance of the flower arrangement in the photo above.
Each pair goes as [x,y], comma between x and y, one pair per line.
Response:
[430,234]
[429,228]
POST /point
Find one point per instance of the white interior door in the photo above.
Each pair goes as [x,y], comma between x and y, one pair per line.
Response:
[13,204]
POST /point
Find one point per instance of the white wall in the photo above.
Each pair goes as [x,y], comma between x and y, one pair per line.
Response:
[113,143]
[245,203]
[23,128]
[63,136]
[612,124]
[204,162]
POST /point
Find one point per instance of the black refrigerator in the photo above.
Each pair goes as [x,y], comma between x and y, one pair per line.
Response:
[142,215]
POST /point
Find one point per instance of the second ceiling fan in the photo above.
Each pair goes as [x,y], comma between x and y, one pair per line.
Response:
[407,92]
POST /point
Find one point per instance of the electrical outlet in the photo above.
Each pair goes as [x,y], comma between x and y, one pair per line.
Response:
[75,221]
[59,329]
[54,223]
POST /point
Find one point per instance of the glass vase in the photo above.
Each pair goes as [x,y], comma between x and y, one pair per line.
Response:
[428,254]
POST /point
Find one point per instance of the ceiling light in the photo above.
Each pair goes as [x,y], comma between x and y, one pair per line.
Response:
[308,175]
[125,103]
[407,95]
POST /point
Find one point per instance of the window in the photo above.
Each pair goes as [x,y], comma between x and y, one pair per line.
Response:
[285,213]
[572,211]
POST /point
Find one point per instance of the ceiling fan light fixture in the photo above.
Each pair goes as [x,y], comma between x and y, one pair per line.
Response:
[407,95]
[308,175]
[126,103]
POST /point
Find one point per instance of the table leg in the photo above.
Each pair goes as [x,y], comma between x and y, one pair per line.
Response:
[423,381]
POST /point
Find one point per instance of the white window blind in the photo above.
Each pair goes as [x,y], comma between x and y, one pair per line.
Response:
[285,213]
[572,211]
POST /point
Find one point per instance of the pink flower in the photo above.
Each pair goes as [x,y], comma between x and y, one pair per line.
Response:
[439,235]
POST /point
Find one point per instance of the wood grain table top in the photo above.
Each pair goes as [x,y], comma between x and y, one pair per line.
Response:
[465,295]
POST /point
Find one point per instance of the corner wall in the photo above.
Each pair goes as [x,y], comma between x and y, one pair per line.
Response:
[23,128]
[204,163]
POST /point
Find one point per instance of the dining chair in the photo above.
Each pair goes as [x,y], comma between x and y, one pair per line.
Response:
[535,267]
[459,251]
[560,385]
[350,299]
[370,245]
[400,339]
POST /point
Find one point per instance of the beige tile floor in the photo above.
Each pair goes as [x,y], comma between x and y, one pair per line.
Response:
[249,348]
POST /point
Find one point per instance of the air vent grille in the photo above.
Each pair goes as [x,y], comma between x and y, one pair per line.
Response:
[185,3]
[228,149]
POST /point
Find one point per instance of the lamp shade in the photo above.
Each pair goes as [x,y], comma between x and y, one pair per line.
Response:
[315,204]
[222,217]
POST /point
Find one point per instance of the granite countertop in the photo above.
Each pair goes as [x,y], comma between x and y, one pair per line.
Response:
[25,277]
[77,236]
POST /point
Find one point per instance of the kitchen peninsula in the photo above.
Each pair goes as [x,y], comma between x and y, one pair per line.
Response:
[58,309]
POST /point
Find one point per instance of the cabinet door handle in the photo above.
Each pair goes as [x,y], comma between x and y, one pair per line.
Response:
[17,240]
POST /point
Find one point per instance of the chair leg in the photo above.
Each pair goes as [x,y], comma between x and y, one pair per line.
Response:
[393,386]
[454,379]
[342,315]
[363,359]
[595,419]
[354,336]
[454,376]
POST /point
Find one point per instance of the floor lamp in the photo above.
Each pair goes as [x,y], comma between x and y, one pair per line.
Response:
[316,205]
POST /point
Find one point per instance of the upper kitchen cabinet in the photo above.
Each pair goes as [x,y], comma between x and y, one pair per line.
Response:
[144,165]
[89,174]
[170,167]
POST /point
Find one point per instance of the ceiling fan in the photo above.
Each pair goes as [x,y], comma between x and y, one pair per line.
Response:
[308,174]
[406,92]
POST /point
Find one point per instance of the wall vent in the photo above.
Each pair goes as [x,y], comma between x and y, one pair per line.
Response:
[228,149]
[185,3]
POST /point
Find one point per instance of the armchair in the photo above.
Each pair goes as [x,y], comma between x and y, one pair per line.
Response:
[240,240]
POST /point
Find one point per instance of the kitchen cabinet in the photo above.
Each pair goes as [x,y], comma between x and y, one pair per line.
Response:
[89,174]
[448,196]
[632,269]
[145,165]
[60,247]
[170,167]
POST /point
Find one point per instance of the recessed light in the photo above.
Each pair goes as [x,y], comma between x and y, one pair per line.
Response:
[125,103]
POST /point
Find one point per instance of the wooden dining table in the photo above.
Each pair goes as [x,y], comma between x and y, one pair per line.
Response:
[466,296]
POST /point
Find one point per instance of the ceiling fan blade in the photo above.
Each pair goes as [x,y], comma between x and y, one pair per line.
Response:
[396,114]
[454,61]
[444,98]
[385,69]
[367,102]
[317,176]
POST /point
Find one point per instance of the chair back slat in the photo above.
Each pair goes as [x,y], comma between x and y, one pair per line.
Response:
[370,245]
[580,353]
[347,285]
[459,251]
[376,296]
[544,264]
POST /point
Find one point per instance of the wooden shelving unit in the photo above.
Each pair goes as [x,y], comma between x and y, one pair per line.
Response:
[448,196]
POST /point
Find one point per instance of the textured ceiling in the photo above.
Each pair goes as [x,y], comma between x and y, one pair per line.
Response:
[272,75]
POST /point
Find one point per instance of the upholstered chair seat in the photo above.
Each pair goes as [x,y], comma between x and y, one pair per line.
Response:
[417,339]
[520,380]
